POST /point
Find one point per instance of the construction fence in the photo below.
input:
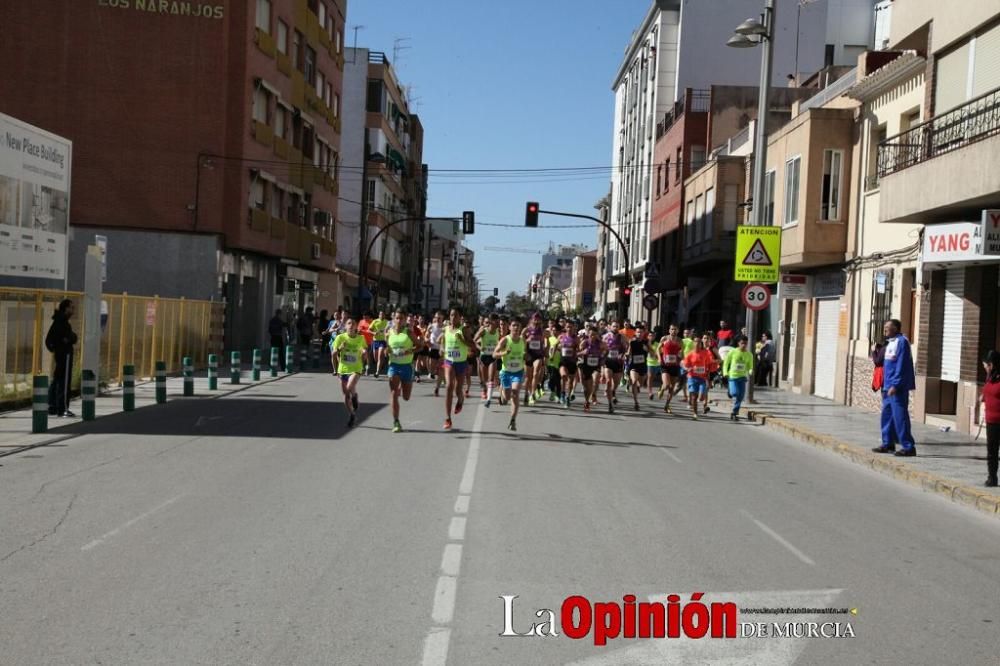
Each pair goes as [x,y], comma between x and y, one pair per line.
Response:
[137,330]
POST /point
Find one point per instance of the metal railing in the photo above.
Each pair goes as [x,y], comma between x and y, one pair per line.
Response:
[693,101]
[138,330]
[973,121]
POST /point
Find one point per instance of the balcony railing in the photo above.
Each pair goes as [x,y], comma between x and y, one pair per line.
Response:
[693,101]
[974,121]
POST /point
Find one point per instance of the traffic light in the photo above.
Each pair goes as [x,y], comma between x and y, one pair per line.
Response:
[531,214]
[468,222]
[626,291]
[496,291]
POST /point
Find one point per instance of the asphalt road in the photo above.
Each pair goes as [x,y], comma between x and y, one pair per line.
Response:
[255,529]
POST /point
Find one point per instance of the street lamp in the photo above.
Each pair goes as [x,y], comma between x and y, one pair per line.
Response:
[750,33]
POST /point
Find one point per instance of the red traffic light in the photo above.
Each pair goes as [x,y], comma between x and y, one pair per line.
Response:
[531,214]
[532,208]
[627,291]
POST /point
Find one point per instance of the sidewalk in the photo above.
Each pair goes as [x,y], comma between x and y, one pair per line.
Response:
[15,426]
[948,463]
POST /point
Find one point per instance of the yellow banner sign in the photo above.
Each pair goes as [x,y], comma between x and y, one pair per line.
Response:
[758,254]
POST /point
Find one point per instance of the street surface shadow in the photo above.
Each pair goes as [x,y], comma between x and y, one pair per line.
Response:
[233,417]
[562,439]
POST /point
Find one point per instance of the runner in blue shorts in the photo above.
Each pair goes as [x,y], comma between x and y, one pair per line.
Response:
[511,352]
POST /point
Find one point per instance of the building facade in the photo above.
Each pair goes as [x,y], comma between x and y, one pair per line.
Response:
[208,181]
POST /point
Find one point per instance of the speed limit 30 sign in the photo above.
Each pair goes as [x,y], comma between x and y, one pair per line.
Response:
[756,296]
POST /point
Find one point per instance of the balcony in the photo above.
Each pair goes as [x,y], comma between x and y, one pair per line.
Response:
[693,101]
[263,133]
[264,42]
[259,220]
[944,168]
[284,63]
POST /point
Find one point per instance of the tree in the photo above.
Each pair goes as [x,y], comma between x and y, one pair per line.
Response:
[517,305]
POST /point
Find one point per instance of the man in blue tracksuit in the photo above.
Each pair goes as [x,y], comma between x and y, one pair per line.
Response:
[898,383]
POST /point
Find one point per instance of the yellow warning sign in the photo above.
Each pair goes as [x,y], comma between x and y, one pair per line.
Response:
[758,254]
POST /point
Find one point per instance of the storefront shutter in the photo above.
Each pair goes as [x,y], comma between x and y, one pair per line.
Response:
[827,318]
[951,344]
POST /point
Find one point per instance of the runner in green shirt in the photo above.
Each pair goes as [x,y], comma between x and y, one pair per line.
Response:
[349,352]
[511,351]
[487,339]
[737,367]
[458,347]
[378,330]
[402,343]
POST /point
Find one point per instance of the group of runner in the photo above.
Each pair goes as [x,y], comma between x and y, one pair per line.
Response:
[525,359]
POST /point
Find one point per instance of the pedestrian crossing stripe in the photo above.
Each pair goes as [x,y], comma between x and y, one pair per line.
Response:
[757,256]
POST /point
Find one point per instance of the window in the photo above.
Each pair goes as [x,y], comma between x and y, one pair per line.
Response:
[282,37]
[256,192]
[699,214]
[298,58]
[328,98]
[688,231]
[321,14]
[769,198]
[881,304]
[666,176]
[261,104]
[677,176]
[280,122]
[338,39]
[659,176]
[832,168]
[308,140]
[336,105]
[707,233]
[277,202]
[320,85]
[294,208]
[370,198]
[697,158]
[264,15]
[792,167]
[877,136]
[309,67]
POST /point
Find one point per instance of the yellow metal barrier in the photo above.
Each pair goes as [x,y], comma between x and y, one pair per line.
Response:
[134,330]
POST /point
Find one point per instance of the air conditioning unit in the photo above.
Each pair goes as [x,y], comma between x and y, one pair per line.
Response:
[315,250]
[321,218]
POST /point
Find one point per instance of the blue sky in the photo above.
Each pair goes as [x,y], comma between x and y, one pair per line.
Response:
[513,85]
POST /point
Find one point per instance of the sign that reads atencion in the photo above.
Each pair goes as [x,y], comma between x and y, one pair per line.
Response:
[35,168]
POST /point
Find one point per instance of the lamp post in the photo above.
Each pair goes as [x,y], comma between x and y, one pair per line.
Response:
[361,303]
[749,34]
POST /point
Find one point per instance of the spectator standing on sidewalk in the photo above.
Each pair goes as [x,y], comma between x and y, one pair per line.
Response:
[276,330]
[899,381]
[305,326]
[60,340]
[765,360]
[991,401]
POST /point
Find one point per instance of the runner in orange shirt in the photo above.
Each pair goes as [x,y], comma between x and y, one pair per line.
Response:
[364,330]
[700,363]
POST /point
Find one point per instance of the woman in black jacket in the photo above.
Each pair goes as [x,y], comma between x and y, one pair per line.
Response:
[60,340]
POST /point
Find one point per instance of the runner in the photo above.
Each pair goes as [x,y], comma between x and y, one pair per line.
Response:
[349,355]
[552,362]
[670,360]
[378,330]
[458,346]
[511,352]
[653,368]
[638,352]
[708,342]
[435,332]
[416,326]
[737,367]
[591,352]
[487,340]
[613,367]
[402,341]
[699,363]
[534,336]
[566,348]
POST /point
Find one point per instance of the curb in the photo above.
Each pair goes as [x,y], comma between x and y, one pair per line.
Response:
[960,494]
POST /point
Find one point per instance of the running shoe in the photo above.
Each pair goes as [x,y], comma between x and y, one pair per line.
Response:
[351,421]
[707,410]
[586,406]
[572,397]
[650,396]
[565,404]
[437,392]
[614,399]
[482,395]
[667,410]
[531,401]
[552,396]
[354,401]
[659,394]
[611,408]
[447,424]
[488,400]
[512,426]
[458,406]
[396,427]
[694,416]
[635,406]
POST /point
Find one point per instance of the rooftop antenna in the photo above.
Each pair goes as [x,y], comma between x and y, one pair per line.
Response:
[398,46]
[354,52]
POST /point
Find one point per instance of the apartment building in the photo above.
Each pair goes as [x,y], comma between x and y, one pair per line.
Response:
[206,138]
[582,285]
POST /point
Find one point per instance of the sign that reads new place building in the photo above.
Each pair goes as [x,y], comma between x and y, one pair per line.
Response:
[758,254]
[34,201]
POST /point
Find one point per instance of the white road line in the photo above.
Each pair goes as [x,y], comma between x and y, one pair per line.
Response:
[456,531]
[130,523]
[439,637]
[671,454]
[451,561]
[780,539]
[444,599]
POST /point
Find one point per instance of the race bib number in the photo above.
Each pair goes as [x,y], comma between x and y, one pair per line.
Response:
[592,361]
[740,367]
[535,345]
[350,359]
[699,369]
[671,358]
[613,354]
[398,352]
[454,354]
[568,351]
[638,358]
[513,365]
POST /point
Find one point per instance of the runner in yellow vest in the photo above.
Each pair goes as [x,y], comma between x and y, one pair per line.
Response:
[402,343]
[487,339]
[349,352]
[458,346]
[512,351]
[378,330]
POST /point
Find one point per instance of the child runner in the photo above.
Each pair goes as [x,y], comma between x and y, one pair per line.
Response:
[700,363]
[613,363]
[511,352]
[402,341]
[349,356]
[487,340]
[458,346]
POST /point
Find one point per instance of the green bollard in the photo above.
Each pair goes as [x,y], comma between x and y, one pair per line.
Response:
[213,372]
[274,361]
[256,365]
[161,382]
[289,359]
[303,358]
[88,393]
[235,368]
[40,404]
[128,388]
[188,367]
[314,352]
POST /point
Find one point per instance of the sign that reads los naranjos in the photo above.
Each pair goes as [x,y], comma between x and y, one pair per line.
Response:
[169,7]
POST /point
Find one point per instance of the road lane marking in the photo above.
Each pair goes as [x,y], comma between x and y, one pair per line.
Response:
[780,539]
[124,526]
[443,611]
[672,455]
